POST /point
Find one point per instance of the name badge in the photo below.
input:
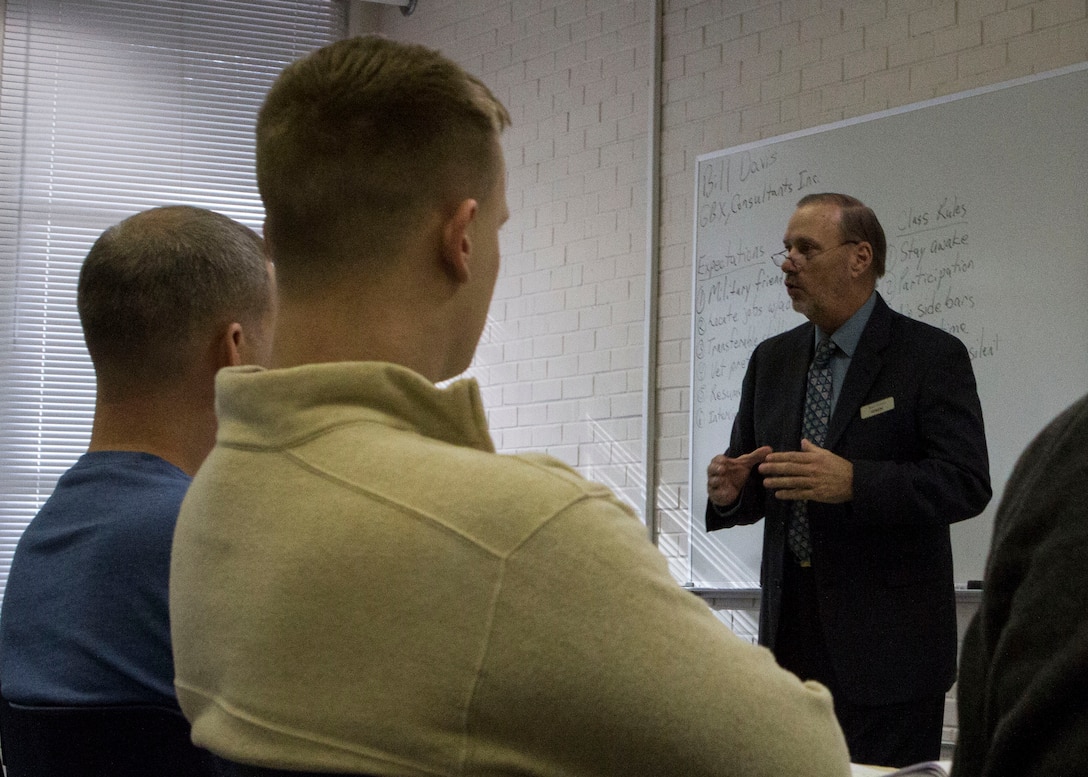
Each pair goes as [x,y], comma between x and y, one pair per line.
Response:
[878,407]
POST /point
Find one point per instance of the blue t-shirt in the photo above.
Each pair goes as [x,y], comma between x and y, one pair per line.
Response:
[84,618]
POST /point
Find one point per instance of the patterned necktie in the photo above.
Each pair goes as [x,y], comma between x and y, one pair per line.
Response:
[814,429]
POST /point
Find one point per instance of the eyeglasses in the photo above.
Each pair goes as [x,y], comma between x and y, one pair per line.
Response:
[807,252]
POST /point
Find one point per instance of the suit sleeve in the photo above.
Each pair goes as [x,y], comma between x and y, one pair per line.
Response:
[941,475]
[749,508]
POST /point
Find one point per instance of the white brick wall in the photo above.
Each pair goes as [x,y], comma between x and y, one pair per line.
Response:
[561,358]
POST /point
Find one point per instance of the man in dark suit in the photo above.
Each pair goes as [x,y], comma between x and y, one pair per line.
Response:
[863,600]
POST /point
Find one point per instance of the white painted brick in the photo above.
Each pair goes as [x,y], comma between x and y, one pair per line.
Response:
[626,358]
[516,393]
[886,32]
[502,417]
[516,439]
[958,38]
[629,311]
[616,244]
[597,92]
[563,321]
[555,81]
[703,107]
[595,407]
[816,23]
[507,288]
[582,251]
[595,361]
[1040,49]
[593,454]
[761,18]
[759,116]
[599,269]
[489,353]
[580,297]
[558,172]
[983,59]
[540,68]
[911,50]
[682,44]
[531,415]
[580,342]
[616,16]
[674,472]
[502,375]
[599,180]
[1002,26]
[784,36]
[907,7]
[838,96]
[673,375]
[736,49]
[1073,41]
[626,404]
[546,346]
[802,55]
[578,387]
[705,60]
[780,86]
[599,135]
[611,336]
[568,58]
[602,45]
[563,413]
[568,454]
[702,14]
[822,74]
[936,17]
[546,391]
[1051,13]
[865,62]
[843,44]
[586,72]
[928,78]
[546,435]
[535,282]
[608,383]
[971,11]
[517,351]
[569,12]
[490,19]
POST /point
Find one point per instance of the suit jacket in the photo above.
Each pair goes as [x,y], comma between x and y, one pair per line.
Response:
[883,561]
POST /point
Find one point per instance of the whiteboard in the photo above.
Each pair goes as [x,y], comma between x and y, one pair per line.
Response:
[984,199]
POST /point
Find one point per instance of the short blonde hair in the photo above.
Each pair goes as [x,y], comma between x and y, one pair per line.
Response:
[154,284]
[355,140]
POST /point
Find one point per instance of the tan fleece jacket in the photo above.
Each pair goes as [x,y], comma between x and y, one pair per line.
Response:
[360,583]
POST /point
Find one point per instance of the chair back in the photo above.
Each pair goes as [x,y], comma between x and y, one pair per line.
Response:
[123,741]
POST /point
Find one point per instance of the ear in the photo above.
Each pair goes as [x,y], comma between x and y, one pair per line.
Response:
[229,352]
[862,259]
[457,242]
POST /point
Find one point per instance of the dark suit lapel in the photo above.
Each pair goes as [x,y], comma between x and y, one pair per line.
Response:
[864,367]
[797,355]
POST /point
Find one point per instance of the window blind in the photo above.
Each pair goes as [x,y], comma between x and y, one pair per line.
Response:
[109,107]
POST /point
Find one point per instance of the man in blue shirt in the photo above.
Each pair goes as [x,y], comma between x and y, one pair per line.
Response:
[166,298]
